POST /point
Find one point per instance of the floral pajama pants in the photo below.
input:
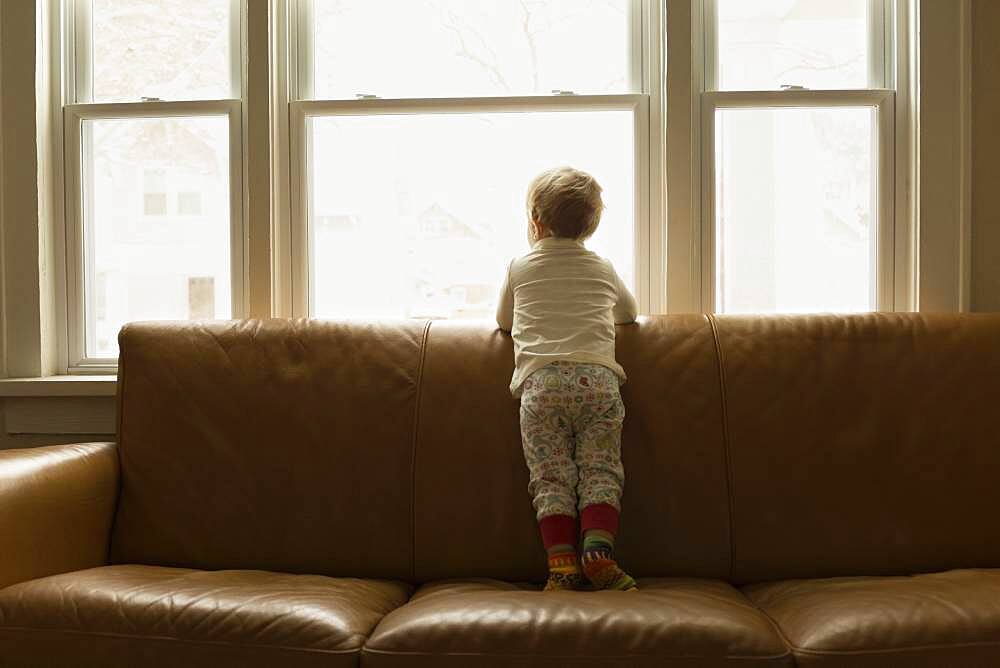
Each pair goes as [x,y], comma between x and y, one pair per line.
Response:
[571,422]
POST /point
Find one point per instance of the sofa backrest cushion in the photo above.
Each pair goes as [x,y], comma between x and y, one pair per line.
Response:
[865,444]
[756,448]
[473,514]
[278,445]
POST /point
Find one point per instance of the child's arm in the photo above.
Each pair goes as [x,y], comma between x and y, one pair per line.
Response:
[505,304]
[626,309]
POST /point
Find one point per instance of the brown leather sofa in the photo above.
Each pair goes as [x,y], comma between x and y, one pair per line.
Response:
[816,490]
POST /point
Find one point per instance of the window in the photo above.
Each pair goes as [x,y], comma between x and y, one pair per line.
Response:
[415,127]
[154,194]
[189,203]
[201,297]
[402,135]
[798,150]
[153,149]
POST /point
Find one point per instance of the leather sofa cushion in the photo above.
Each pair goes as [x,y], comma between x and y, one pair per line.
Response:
[689,622]
[861,444]
[472,512]
[942,619]
[152,616]
[260,444]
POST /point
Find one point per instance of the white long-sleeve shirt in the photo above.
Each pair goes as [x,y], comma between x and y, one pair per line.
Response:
[562,302]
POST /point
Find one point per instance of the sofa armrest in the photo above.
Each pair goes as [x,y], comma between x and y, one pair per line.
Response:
[56,508]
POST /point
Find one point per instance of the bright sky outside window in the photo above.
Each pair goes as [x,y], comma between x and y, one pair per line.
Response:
[796,205]
[460,48]
[767,44]
[168,49]
[409,220]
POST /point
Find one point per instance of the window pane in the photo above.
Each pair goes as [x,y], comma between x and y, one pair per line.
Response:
[170,49]
[442,48]
[149,255]
[795,200]
[764,44]
[418,215]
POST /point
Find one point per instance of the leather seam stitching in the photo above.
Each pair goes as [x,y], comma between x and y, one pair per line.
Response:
[187,641]
[893,650]
[774,624]
[726,446]
[746,657]
[857,652]
[413,452]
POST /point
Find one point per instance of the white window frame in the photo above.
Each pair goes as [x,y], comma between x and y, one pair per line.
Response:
[75,94]
[932,171]
[292,74]
[888,95]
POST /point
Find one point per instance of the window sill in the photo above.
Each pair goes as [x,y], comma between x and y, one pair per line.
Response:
[60,386]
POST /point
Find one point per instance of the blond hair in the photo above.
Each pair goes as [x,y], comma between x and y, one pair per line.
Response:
[566,201]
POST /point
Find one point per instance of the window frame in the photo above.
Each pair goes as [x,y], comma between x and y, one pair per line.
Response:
[679,281]
[933,117]
[888,93]
[75,107]
[293,71]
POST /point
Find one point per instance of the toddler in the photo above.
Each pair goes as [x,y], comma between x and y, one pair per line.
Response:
[561,302]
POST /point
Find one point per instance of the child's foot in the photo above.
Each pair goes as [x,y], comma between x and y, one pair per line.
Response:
[606,574]
[564,570]
[599,563]
[563,581]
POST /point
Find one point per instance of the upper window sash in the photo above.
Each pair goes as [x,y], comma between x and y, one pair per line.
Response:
[476,51]
[879,39]
[80,87]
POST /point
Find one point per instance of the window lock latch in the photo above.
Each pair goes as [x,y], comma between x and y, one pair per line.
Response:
[792,87]
[558,91]
[150,99]
[365,96]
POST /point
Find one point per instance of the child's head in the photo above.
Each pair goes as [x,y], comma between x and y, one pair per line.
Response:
[565,203]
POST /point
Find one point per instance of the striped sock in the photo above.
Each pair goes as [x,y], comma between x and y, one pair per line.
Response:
[564,569]
[599,563]
[559,538]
